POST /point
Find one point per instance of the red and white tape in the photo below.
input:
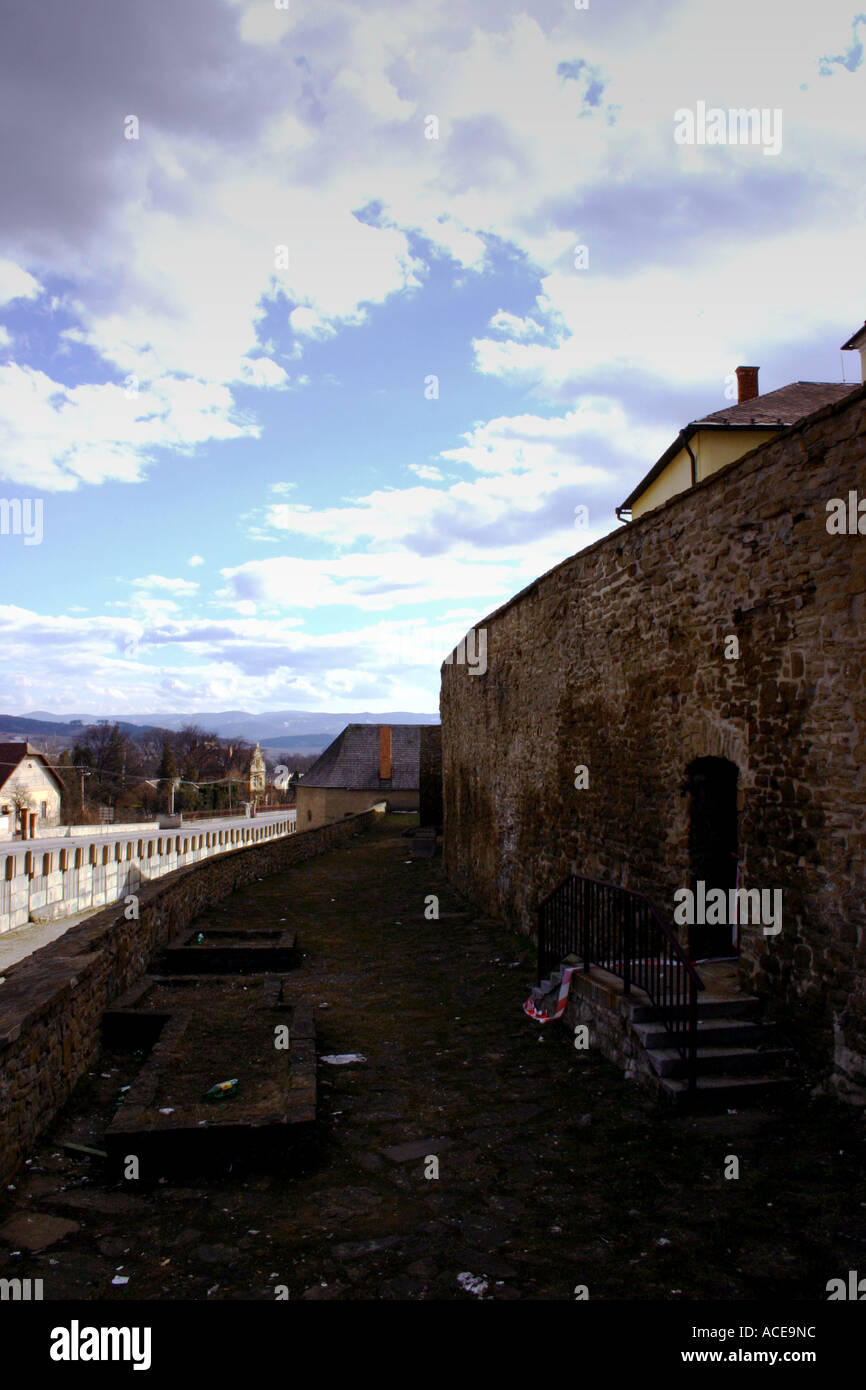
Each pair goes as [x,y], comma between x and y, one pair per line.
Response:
[530,1009]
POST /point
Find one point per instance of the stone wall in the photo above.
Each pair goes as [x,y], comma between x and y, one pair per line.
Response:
[51,1003]
[321,805]
[430,775]
[616,660]
[88,832]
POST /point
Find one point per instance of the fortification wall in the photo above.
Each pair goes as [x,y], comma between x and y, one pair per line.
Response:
[616,660]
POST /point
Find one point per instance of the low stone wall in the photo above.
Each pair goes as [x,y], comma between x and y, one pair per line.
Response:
[598,1001]
[133,827]
[321,805]
[51,1003]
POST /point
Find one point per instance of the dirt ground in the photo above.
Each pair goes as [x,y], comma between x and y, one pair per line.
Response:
[553,1170]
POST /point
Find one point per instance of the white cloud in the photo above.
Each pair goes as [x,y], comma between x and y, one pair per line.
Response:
[263,371]
[188,270]
[427,472]
[125,665]
[514,326]
[195,560]
[16,283]
[371,582]
[56,437]
[160,581]
[525,475]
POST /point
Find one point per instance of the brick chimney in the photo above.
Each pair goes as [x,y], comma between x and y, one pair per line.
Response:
[384,752]
[747,384]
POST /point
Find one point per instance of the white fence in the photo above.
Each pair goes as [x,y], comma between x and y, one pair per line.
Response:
[40,885]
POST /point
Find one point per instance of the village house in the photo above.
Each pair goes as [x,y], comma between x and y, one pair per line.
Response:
[704,446]
[30,791]
[365,764]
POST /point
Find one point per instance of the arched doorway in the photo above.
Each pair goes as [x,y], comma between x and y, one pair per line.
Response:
[713,849]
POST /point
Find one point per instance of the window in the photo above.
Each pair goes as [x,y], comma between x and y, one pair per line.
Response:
[43,809]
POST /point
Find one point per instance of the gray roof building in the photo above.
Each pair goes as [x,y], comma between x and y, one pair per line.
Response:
[357,758]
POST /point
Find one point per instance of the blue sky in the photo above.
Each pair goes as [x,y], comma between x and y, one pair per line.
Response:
[250,499]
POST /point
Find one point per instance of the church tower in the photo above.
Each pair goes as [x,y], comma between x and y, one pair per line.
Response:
[257,774]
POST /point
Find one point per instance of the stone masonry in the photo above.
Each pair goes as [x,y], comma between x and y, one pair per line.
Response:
[51,1003]
[616,660]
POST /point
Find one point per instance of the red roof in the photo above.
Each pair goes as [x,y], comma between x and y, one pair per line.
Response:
[12,754]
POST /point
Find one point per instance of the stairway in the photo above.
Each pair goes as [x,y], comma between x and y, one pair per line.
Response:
[739,1059]
[424,842]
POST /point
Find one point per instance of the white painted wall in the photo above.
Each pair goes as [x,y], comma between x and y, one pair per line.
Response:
[32,777]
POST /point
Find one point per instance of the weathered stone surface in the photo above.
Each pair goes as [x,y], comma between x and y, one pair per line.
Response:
[420,1148]
[612,1188]
[36,1232]
[52,1002]
[615,660]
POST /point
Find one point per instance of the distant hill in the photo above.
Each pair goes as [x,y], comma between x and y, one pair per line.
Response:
[16,728]
[297,743]
[292,729]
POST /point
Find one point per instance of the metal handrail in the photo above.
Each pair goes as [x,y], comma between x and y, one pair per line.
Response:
[622,931]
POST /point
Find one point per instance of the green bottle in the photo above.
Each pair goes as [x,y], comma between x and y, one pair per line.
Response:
[222,1089]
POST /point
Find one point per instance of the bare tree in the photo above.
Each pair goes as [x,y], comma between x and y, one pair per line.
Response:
[21,800]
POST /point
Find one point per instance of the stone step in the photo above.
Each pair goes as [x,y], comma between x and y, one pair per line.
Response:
[723,1031]
[724,1092]
[722,1061]
[739,1006]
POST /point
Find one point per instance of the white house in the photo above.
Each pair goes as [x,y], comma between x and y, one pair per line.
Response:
[27,782]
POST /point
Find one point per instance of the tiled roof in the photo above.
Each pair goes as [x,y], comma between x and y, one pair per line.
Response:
[351,762]
[783,407]
[11,754]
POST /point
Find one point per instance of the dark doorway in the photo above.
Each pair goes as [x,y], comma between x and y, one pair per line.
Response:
[713,849]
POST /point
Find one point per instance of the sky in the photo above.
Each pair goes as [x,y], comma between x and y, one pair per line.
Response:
[301,368]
